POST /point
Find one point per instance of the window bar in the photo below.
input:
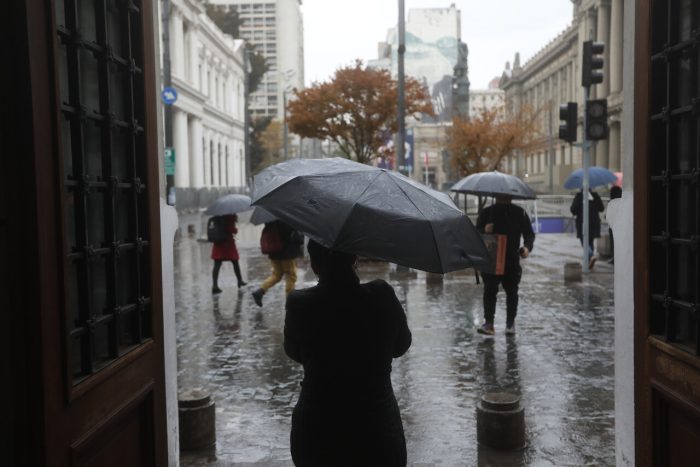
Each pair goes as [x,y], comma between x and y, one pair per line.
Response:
[81,187]
[113,184]
[135,174]
[669,310]
[696,248]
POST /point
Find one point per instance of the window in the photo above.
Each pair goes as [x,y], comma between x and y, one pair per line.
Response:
[108,296]
[674,166]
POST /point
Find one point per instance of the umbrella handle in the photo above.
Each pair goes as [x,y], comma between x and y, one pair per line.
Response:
[476,275]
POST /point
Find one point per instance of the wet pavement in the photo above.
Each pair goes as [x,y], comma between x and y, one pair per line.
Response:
[560,361]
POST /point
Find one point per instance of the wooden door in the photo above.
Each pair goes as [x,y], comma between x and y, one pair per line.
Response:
[667,232]
[84,229]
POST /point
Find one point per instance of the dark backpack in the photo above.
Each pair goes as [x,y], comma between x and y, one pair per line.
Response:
[271,240]
[216,230]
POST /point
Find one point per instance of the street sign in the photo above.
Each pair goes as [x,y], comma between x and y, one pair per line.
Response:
[169,95]
[169,161]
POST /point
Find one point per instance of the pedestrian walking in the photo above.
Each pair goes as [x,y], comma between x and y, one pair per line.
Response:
[595,206]
[505,218]
[345,334]
[225,249]
[615,193]
[283,245]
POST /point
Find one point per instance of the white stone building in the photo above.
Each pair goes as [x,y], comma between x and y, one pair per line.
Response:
[276,29]
[208,72]
[553,77]
[492,98]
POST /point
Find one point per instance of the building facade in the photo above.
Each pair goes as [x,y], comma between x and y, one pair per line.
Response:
[208,72]
[276,29]
[553,77]
[490,99]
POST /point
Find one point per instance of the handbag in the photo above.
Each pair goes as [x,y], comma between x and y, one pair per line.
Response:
[496,245]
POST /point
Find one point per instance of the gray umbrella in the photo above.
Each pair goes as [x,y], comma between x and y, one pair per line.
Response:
[229,204]
[371,212]
[493,184]
[261,216]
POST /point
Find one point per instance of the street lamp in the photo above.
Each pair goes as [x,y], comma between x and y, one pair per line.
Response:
[286,76]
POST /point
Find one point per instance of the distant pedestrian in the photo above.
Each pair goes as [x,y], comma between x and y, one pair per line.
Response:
[505,218]
[615,193]
[346,335]
[225,250]
[595,206]
[283,245]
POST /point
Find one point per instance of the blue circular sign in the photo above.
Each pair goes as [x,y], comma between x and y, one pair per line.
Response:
[169,95]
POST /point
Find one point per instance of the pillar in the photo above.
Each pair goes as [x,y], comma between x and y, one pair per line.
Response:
[615,147]
[196,153]
[177,49]
[616,29]
[603,35]
[194,57]
[180,140]
[207,159]
[215,161]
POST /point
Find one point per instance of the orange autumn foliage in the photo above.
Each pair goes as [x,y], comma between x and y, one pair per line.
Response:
[480,143]
[357,110]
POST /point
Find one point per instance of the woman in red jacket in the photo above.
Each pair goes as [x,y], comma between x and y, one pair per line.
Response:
[226,251]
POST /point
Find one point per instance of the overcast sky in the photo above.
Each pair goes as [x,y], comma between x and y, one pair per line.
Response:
[336,32]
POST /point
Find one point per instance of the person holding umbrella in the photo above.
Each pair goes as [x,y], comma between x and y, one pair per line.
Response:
[595,206]
[346,335]
[225,250]
[505,218]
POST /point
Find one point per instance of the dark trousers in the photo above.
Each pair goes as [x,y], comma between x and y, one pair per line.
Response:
[509,281]
[217,267]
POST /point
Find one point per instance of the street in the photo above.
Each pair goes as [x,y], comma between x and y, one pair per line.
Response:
[560,361]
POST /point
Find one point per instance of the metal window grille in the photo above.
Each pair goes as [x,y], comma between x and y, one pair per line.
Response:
[674,162]
[104,168]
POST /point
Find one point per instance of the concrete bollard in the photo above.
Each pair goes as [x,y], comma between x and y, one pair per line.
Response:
[197,420]
[573,272]
[500,421]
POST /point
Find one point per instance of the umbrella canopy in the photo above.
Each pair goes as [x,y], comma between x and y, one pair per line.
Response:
[493,184]
[371,212]
[261,216]
[597,176]
[228,205]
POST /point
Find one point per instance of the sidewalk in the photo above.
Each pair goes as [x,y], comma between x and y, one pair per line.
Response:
[560,362]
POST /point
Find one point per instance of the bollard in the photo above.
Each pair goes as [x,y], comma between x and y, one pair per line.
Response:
[572,272]
[197,420]
[500,421]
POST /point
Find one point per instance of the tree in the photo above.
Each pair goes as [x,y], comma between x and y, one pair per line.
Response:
[226,18]
[357,110]
[257,150]
[480,143]
[272,141]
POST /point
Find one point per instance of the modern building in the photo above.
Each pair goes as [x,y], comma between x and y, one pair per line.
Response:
[276,29]
[553,77]
[208,73]
[434,51]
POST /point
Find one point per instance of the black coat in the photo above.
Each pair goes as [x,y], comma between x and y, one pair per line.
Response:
[292,240]
[513,221]
[594,207]
[346,336]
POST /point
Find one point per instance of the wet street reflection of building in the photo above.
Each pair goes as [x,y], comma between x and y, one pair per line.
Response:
[560,362]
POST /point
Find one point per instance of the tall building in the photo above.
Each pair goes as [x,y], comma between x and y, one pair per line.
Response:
[435,55]
[208,72]
[276,29]
[553,77]
[492,98]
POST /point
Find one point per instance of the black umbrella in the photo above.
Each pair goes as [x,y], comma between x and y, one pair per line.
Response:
[371,212]
[493,184]
[261,216]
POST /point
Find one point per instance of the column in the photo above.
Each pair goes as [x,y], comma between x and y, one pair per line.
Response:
[180,139]
[616,30]
[194,57]
[615,147]
[603,35]
[215,161]
[177,46]
[212,83]
[207,159]
[196,153]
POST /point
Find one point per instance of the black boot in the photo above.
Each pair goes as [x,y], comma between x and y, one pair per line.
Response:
[258,295]
[215,289]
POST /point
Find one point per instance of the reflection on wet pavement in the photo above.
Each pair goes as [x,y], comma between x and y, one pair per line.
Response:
[560,362]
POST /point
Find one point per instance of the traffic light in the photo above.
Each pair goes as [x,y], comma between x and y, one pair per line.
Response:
[596,119]
[569,114]
[592,63]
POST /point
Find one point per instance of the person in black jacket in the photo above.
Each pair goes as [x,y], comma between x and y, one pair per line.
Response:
[595,206]
[345,334]
[283,262]
[506,218]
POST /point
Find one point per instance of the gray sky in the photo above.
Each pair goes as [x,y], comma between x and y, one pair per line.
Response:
[336,32]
